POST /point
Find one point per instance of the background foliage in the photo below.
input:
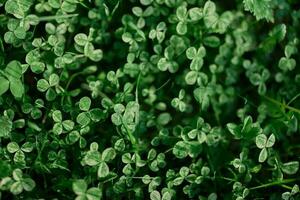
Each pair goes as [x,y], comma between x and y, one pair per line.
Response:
[149,99]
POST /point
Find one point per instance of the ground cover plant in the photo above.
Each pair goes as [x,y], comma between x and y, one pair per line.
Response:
[149,99]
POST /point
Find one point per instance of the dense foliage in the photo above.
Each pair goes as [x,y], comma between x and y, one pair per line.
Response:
[149,99]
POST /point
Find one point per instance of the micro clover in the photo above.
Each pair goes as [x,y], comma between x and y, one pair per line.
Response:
[178,102]
[21,182]
[84,117]
[287,63]
[197,62]
[60,125]
[137,11]
[292,194]
[80,188]
[263,142]
[156,161]
[84,45]
[94,158]
[182,16]
[239,163]
[159,32]
[248,129]
[259,80]
[213,21]
[19,152]
[58,160]
[50,86]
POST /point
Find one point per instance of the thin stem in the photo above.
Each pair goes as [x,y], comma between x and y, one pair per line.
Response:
[226,178]
[49,18]
[274,183]
[293,99]
[283,105]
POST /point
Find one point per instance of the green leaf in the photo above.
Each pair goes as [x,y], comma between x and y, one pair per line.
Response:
[53,80]
[181,28]
[14,69]
[57,116]
[108,154]
[16,188]
[166,196]
[16,87]
[17,174]
[37,67]
[12,147]
[191,77]
[262,9]
[81,39]
[103,170]
[287,64]
[83,119]
[209,8]
[68,125]
[195,14]
[28,184]
[6,126]
[116,119]
[79,187]
[68,6]
[73,137]
[263,155]
[155,195]
[290,167]
[181,13]
[18,7]
[42,85]
[27,147]
[180,150]
[96,55]
[85,103]
[270,141]
[191,53]
[4,85]
[20,32]
[146,2]
[94,194]
[120,145]
[212,41]
[261,141]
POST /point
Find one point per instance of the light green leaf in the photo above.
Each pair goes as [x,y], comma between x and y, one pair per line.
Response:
[94,194]
[263,155]
[85,103]
[262,9]
[16,87]
[4,85]
[42,85]
[108,154]
[270,141]
[261,141]
[14,69]
[79,187]
[155,195]
[103,170]
[290,167]
[12,147]
[81,39]
[28,184]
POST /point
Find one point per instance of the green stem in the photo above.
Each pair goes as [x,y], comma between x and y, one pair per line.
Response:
[49,18]
[274,183]
[283,105]
[293,99]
